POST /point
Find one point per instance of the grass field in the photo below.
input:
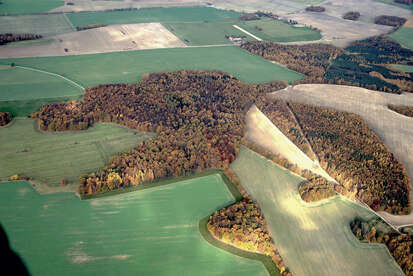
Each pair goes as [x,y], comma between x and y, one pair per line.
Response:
[313,239]
[150,232]
[26,43]
[391,2]
[123,67]
[28,6]
[22,84]
[405,68]
[404,36]
[57,155]
[214,32]
[44,24]
[187,14]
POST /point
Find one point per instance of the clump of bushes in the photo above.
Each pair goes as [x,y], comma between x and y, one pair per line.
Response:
[352,16]
[5,118]
[315,9]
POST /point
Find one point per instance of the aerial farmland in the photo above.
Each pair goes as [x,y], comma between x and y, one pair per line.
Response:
[182,137]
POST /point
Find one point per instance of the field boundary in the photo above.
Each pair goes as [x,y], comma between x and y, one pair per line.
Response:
[265,260]
[53,74]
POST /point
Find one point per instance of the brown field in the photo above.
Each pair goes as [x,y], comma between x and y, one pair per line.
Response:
[101,40]
[409,22]
[279,7]
[90,5]
[394,129]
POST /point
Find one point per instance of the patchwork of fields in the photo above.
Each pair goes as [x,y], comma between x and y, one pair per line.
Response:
[48,157]
[313,239]
[150,232]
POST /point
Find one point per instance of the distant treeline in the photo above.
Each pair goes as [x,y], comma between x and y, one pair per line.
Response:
[402,109]
[390,20]
[399,245]
[351,15]
[243,225]
[8,38]
[406,2]
[362,64]
[5,118]
[92,26]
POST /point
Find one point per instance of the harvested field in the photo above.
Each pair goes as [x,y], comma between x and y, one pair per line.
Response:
[149,232]
[404,36]
[48,157]
[409,22]
[47,24]
[13,7]
[92,5]
[313,239]
[394,129]
[264,133]
[118,38]
[188,14]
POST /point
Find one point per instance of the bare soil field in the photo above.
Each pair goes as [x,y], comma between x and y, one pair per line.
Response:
[264,133]
[90,5]
[341,31]
[409,22]
[101,40]
[394,129]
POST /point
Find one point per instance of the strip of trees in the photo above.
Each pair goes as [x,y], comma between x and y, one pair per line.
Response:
[390,20]
[377,231]
[8,38]
[315,9]
[91,26]
[5,118]
[402,109]
[243,225]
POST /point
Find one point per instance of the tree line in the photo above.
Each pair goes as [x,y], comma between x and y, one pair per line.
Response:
[243,225]
[402,109]
[91,26]
[364,63]
[5,118]
[390,20]
[8,38]
[377,231]
[198,117]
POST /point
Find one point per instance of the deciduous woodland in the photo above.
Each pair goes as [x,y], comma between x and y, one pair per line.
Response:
[8,38]
[399,245]
[402,109]
[199,120]
[198,117]
[364,63]
[352,154]
[5,118]
[390,20]
[243,225]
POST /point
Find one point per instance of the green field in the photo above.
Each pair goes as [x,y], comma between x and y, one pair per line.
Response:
[405,68]
[28,6]
[214,32]
[150,232]
[56,155]
[44,24]
[404,36]
[126,67]
[187,14]
[23,84]
[391,2]
[313,239]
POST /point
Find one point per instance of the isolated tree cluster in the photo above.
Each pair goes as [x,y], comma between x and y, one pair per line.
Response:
[5,118]
[243,225]
[390,20]
[351,15]
[377,231]
[315,9]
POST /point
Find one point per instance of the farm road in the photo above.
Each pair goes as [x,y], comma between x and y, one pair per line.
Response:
[394,129]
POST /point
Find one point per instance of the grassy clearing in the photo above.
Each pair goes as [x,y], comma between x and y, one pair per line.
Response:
[214,32]
[49,157]
[391,2]
[12,7]
[27,43]
[404,36]
[150,232]
[405,68]
[186,14]
[22,84]
[47,24]
[313,239]
[123,67]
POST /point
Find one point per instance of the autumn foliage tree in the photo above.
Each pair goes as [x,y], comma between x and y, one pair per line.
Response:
[5,118]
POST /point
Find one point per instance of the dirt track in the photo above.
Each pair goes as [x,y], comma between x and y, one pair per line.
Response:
[395,130]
